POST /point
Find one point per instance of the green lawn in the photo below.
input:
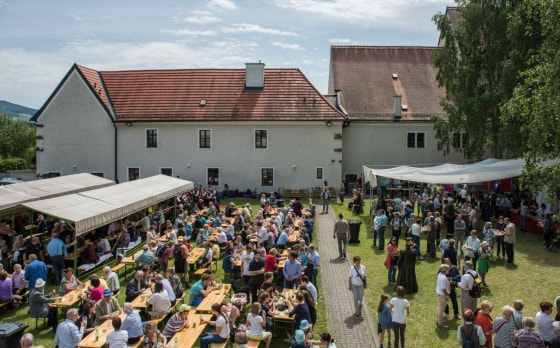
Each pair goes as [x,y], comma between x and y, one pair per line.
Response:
[530,279]
[46,336]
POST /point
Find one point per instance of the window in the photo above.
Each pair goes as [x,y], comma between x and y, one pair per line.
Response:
[459,140]
[416,140]
[213,176]
[133,174]
[166,171]
[319,173]
[101,175]
[204,138]
[261,139]
[267,177]
[151,138]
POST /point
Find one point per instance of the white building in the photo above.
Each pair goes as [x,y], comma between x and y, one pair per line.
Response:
[254,128]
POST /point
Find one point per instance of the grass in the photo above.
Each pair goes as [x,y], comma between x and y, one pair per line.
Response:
[531,279]
[45,337]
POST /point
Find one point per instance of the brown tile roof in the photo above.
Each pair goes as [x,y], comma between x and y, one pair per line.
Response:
[453,14]
[175,95]
[363,74]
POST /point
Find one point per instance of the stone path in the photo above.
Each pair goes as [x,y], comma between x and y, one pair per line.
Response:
[347,330]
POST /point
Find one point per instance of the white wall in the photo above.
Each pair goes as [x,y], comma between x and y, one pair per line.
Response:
[306,144]
[385,143]
[76,131]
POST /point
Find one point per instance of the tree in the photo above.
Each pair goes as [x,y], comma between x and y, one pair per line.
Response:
[479,68]
[17,141]
[535,106]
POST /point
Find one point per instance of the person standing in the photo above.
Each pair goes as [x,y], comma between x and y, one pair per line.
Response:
[381,224]
[544,322]
[472,246]
[313,262]
[400,308]
[443,290]
[509,239]
[453,276]
[527,337]
[470,330]
[325,196]
[467,283]
[57,253]
[407,267]
[36,269]
[503,329]
[459,231]
[341,233]
[357,283]
[291,271]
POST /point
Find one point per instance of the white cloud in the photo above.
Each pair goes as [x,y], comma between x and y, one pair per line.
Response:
[222,5]
[288,46]
[201,17]
[255,28]
[340,41]
[363,12]
[188,32]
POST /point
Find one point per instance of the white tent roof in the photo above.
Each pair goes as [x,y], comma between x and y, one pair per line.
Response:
[16,194]
[487,170]
[92,209]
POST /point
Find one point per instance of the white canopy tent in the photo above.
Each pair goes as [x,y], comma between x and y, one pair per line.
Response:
[92,209]
[16,194]
[487,170]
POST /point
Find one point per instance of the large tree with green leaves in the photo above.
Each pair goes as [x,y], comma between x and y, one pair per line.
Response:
[17,141]
[535,105]
[479,68]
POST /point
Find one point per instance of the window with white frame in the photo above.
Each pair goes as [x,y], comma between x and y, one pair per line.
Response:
[151,138]
[319,173]
[416,140]
[261,139]
[166,171]
[267,177]
[459,140]
[213,176]
[133,174]
[204,138]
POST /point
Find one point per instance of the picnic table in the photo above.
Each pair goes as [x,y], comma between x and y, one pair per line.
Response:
[103,330]
[187,337]
[140,300]
[283,316]
[216,296]
[71,298]
[194,255]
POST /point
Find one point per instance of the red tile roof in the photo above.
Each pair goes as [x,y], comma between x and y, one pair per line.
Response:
[363,74]
[175,95]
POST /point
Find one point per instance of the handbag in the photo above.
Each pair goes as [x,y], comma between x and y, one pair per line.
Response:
[379,330]
[395,260]
[359,275]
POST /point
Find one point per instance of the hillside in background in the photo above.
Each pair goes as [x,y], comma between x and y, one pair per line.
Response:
[16,110]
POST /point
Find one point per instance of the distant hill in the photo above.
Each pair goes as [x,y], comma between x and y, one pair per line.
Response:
[16,110]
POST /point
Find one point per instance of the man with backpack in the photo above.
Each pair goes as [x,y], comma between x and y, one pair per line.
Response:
[180,254]
[469,334]
[471,289]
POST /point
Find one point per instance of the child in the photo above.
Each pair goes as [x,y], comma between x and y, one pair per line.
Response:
[396,222]
[384,319]
[483,263]
[400,309]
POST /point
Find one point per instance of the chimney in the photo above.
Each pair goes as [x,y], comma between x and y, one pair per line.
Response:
[397,115]
[254,76]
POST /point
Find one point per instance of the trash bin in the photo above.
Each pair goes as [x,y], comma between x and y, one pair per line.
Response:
[354,230]
[10,334]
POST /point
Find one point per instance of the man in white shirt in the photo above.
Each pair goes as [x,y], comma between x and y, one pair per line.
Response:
[246,259]
[442,291]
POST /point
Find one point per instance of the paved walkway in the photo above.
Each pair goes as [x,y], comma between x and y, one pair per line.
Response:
[347,330]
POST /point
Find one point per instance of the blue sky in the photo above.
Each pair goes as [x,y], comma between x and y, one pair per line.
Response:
[40,40]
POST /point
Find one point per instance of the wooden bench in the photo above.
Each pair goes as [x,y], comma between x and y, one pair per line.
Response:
[117,267]
[220,345]
[137,344]
[253,343]
[201,270]
[2,305]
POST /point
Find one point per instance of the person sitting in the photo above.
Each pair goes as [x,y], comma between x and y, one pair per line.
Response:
[227,261]
[256,322]
[97,290]
[159,300]
[68,334]
[207,256]
[299,340]
[117,338]
[176,323]
[112,278]
[88,315]
[136,286]
[6,295]
[146,258]
[132,323]
[26,341]
[200,290]
[19,284]
[107,308]
[39,304]
[88,255]
[69,282]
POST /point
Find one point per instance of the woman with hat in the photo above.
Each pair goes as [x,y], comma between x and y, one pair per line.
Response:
[177,322]
[407,267]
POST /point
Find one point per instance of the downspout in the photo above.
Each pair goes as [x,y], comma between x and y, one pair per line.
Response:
[116,152]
